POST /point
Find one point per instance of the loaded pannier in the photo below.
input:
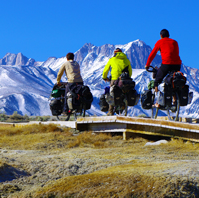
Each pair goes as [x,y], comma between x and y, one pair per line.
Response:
[58,91]
[81,96]
[165,98]
[146,99]
[103,104]
[56,106]
[57,101]
[176,79]
[87,97]
[184,95]
[75,91]
[132,97]
[117,95]
[126,83]
[179,80]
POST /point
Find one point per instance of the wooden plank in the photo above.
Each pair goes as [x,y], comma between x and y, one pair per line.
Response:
[127,125]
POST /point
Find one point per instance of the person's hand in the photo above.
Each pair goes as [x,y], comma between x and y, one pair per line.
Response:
[59,84]
[146,67]
[106,79]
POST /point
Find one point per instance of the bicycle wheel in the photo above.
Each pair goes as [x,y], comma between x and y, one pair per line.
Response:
[154,110]
[125,108]
[173,110]
[121,110]
[84,113]
[68,117]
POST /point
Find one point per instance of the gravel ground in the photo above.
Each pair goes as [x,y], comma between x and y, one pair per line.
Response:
[27,170]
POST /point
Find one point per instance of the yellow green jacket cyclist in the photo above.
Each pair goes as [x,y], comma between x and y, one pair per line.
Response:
[117,64]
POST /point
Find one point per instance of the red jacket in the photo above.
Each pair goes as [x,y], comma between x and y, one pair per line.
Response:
[169,52]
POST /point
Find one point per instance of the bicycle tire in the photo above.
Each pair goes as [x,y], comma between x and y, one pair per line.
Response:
[84,113]
[68,117]
[125,110]
[126,106]
[174,116]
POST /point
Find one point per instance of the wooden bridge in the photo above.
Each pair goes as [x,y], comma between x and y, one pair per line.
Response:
[187,129]
[130,126]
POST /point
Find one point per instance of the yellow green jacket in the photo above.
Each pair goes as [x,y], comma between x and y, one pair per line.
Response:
[117,64]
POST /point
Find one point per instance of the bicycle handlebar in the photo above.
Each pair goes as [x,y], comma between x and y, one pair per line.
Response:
[151,69]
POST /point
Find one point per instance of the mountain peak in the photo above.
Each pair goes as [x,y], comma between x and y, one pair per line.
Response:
[16,59]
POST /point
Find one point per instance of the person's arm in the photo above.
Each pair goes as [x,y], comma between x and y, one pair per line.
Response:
[152,55]
[60,73]
[106,69]
[130,69]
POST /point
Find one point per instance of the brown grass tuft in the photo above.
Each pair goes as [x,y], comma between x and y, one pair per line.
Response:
[116,184]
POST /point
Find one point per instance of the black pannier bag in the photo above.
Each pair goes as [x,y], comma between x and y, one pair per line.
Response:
[146,99]
[117,95]
[87,97]
[190,97]
[167,95]
[76,91]
[126,83]
[165,98]
[103,104]
[184,95]
[57,103]
[132,97]
[177,80]
[56,106]
[58,91]
[81,95]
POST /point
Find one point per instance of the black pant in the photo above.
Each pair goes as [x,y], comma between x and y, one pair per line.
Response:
[163,71]
[66,91]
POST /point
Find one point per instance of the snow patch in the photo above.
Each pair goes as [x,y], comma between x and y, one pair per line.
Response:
[156,143]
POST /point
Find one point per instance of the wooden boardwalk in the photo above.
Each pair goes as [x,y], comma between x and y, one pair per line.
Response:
[131,126]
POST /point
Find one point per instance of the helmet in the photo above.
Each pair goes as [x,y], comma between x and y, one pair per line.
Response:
[117,50]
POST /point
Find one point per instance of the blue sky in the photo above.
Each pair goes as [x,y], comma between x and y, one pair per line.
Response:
[41,29]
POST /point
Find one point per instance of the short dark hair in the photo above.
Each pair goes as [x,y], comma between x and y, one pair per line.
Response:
[164,33]
[70,56]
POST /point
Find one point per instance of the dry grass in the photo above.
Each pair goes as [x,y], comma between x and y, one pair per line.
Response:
[48,137]
[36,135]
[138,178]
[136,171]
[118,182]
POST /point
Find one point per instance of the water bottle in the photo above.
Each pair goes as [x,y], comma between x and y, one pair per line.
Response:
[69,101]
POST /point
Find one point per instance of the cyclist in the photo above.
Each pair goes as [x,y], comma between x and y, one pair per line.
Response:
[171,61]
[117,64]
[72,71]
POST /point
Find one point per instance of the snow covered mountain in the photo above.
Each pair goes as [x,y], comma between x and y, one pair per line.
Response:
[25,85]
